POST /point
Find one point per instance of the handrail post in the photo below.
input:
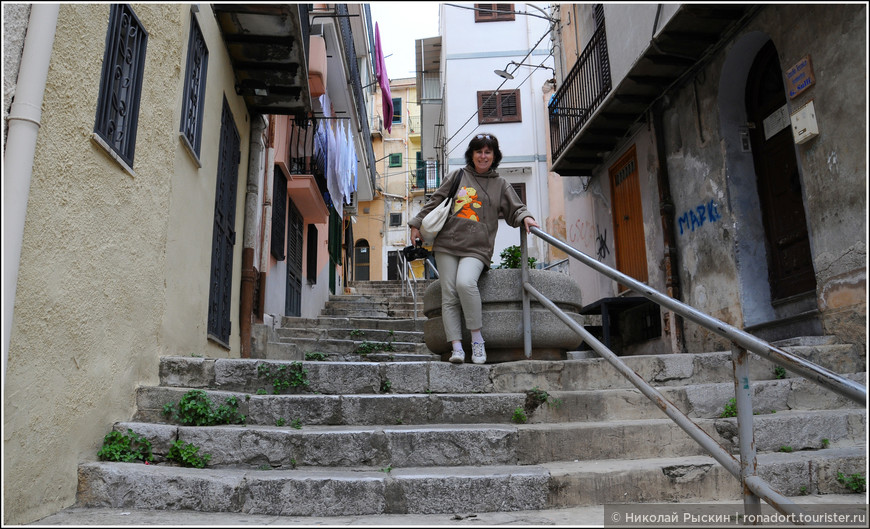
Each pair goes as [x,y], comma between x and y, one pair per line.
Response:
[745,432]
[527,311]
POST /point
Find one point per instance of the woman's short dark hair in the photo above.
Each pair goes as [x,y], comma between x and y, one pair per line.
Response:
[479,141]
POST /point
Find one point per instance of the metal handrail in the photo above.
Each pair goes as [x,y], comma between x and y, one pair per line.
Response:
[745,470]
[405,267]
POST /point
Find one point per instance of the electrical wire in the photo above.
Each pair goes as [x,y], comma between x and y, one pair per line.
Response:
[549,30]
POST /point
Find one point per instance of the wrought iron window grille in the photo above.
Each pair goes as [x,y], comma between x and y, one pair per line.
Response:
[121,82]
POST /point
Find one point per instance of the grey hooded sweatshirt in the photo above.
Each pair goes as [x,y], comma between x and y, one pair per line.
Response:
[471,228]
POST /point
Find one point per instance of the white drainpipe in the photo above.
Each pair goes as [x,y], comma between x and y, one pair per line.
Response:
[24,121]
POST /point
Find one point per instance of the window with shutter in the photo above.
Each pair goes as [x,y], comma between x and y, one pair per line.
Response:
[499,107]
[493,12]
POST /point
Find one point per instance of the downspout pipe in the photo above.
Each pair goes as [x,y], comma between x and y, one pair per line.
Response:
[250,275]
[23,122]
[674,322]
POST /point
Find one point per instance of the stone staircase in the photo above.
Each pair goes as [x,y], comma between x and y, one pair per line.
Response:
[397,431]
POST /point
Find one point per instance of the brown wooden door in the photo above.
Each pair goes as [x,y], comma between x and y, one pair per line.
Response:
[790,266]
[628,218]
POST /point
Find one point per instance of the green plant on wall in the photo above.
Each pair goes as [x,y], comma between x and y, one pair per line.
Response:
[511,257]
[126,448]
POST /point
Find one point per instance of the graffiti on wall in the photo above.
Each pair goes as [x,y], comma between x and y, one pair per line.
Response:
[586,235]
[601,240]
[695,218]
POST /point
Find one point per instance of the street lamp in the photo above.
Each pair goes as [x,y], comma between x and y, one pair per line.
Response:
[507,75]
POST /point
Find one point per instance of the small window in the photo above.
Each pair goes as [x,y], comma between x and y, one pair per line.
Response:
[121,82]
[194,87]
[396,160]
[395,219]
[520,190]
[397,110]
[499,107]
[493,12]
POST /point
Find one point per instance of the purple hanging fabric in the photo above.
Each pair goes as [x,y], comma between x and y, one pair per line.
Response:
[383,81]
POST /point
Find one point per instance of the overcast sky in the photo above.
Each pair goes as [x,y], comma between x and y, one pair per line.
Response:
[401,24]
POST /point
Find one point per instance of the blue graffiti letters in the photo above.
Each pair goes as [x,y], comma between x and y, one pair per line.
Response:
[695,218]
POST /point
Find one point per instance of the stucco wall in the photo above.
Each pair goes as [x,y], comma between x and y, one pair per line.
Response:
[191,209]
[114,267]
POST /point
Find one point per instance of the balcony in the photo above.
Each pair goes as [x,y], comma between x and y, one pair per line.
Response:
[589,116]
[267,45]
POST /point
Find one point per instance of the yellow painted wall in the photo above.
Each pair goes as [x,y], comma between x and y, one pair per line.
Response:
[114,266]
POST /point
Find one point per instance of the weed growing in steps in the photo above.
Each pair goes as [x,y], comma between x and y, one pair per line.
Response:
[854,482]
[126,448]
[187,455]
[195,409]
[730,409]
[535,397]
[285,376]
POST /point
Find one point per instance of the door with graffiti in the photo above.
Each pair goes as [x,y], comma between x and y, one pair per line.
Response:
[790,266]
[628,235]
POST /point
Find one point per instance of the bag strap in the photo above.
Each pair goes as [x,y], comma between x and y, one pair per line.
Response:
[455,186]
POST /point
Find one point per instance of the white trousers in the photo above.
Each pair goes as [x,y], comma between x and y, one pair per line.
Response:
[459,293]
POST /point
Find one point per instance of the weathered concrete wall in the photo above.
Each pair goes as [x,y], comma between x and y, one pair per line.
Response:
[708,171]
[114,266]
[721,259]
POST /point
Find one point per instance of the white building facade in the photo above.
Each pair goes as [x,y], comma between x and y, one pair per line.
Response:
[476,42]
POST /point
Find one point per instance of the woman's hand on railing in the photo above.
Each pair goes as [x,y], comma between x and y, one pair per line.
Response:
[530,222]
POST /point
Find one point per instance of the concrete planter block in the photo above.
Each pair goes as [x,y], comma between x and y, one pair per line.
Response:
[501,294]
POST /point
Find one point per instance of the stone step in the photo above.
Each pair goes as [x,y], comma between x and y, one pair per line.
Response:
[400,445]
[697,478]
[380,335]
[395,301]
[336,322]
[341,491]
[443,377]
[360,347]
[355,312]
[381,400]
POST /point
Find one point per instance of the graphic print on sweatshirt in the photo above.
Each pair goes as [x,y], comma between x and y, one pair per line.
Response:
[466,203]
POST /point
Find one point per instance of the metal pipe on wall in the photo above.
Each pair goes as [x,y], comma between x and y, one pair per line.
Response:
[249,241]
[24,122]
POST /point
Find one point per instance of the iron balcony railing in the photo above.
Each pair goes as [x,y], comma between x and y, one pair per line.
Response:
[413,124]
[584,88]
[427,176]
[745,470]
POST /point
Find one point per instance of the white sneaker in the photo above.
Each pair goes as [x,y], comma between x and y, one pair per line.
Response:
[458,357]
[478,353]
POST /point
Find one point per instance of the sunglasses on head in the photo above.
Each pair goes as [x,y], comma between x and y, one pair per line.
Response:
[482,136]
